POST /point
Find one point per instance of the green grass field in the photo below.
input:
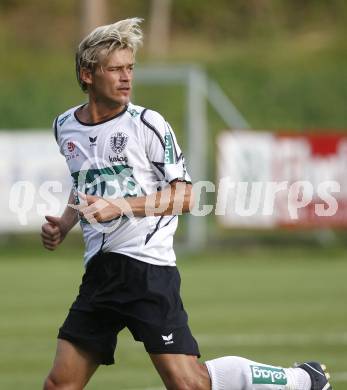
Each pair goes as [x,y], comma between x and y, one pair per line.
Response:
[272,305]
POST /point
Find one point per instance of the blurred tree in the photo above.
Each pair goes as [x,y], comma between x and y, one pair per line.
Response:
[60,19]
[259,7]
[159,29]
[93,14]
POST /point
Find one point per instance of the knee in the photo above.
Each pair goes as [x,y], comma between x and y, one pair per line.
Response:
[52,383]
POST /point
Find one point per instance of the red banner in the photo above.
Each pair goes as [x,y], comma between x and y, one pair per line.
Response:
[283,180]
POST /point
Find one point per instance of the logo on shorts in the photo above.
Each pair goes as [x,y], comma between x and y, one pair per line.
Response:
[118,142]
[265,375]
[168,339]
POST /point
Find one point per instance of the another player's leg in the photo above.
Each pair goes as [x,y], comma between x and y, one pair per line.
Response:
[72,368]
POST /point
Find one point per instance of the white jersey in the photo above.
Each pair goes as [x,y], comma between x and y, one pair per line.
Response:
[135,153]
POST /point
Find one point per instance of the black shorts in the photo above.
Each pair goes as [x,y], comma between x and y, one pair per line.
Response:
[117,292]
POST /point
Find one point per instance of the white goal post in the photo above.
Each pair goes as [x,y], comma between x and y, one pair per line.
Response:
[200,91]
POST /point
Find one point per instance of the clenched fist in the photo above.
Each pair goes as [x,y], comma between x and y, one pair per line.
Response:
[52,233]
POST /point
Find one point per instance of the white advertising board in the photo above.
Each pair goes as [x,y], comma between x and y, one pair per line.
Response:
[34,179]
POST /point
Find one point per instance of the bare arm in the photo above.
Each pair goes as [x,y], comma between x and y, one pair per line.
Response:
[176,198]
[56,228]
[69,217]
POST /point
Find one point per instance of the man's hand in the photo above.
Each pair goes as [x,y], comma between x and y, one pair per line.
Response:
[97,209]
[53,232]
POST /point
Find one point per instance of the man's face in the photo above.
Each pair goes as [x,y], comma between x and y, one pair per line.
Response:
[112,78]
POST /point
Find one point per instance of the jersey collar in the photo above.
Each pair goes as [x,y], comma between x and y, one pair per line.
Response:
[98,123]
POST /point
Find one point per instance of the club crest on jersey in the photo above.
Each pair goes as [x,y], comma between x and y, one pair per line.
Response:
[119,141]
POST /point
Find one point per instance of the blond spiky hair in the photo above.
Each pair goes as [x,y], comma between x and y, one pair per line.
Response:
[120,35]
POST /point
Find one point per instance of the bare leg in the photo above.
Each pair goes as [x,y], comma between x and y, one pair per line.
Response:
[72,368]
[181,372]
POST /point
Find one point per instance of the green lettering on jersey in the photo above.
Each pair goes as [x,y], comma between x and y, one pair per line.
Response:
[169,157]
[111,182]
[115,181]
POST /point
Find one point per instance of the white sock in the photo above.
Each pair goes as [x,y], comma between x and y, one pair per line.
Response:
[236,373]
[298,379]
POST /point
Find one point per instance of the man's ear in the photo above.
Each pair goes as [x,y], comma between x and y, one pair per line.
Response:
[86,76]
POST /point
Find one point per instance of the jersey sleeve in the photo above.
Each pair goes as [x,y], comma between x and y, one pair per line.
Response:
[162,149]
[57,129]
[55,126]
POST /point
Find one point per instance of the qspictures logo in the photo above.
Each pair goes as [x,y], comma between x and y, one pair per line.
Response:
[266,375]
